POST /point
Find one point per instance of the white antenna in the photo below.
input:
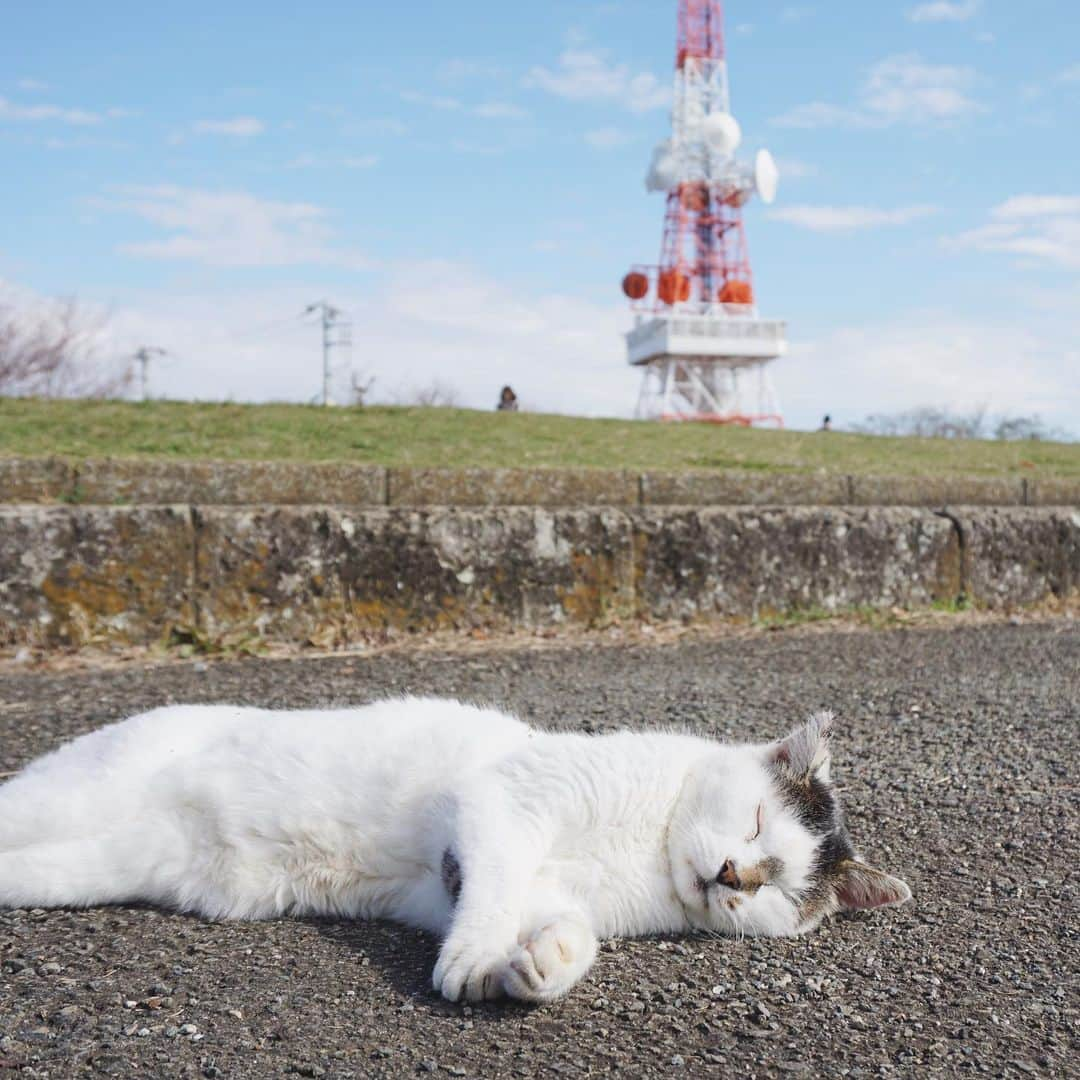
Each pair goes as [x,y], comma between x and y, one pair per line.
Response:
[337,334]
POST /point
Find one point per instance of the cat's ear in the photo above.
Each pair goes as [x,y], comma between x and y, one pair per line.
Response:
[858,886]
[805,752]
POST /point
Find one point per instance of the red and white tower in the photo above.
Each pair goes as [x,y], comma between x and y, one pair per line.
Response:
[697,334]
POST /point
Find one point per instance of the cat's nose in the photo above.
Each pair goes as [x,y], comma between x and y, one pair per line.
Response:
[729,875]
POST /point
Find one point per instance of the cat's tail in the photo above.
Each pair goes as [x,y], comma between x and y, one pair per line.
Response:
[34,810]
[113,868]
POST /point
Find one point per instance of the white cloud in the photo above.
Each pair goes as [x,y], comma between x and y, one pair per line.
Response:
[795,169]
[1041,229]
[944,11]
[420,321]
[607,138]
[905,88]
[1070,74]
[10,110]
[361,161]
[239,127]
[587,75]
[32,86]
[928,358]
[900,89]
[458,69]
[793,13]
[849,218]
[1028,206]
[498,110]
[318,161]
[232,229]
[487,110]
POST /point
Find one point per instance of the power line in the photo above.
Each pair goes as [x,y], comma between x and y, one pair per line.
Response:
[336,334]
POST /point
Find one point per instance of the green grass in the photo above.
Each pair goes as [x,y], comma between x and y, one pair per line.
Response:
[460,438]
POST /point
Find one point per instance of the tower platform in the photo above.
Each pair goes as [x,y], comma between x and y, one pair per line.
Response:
[725,339]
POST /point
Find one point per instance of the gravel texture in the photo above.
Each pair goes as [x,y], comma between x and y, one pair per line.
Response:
[957,759]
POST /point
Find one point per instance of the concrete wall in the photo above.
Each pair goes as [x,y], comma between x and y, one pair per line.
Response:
[124,481]
[77,574]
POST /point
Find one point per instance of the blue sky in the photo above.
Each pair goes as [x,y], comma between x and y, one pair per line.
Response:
[466,182]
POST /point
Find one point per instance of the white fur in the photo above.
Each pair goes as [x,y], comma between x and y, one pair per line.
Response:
[562,839]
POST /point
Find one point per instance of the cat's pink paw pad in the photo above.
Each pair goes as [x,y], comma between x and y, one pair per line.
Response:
[546,966]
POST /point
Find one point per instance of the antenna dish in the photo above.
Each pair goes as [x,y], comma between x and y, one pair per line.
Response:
[766,176]
[663,172]
[722,132]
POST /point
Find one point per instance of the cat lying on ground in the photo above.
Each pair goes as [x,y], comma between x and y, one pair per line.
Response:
[520,848]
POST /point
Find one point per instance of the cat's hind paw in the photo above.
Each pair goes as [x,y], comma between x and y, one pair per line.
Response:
[550,962]
[464,973]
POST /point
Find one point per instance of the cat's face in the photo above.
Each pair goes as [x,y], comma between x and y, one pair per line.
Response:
[758,845]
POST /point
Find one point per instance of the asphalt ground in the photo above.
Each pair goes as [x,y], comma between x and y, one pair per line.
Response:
[957,758]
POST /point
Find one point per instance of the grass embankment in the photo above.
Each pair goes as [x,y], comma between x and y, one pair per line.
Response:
[461,438]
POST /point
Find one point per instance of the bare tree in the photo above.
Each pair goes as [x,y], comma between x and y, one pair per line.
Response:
[435,394]
[926,422]
[931,422]
[359,388]
[51,353]
[1012,428]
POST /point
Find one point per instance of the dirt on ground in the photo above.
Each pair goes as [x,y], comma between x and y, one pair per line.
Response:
[957,759]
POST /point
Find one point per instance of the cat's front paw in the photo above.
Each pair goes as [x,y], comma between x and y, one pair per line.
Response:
[469,973]
[546,966]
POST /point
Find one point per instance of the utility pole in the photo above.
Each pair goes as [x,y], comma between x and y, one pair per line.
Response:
[142,356]
[336,334]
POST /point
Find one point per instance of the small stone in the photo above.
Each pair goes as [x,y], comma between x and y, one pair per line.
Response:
[429,1066]
[188,1029]
[51,968]
[678,1061]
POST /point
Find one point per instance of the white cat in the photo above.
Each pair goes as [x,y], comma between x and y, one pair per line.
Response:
[521,848]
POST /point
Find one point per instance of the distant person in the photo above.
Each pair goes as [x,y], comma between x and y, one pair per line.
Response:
[826,424]
[508,401]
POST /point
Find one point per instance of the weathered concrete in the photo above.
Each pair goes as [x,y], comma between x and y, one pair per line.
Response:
[35,480]
[306,574]
[937,491]
[726,562]
[733,488]
[1014,557]
[228,483]
[75,575]
[1052,491]
[512,487]
[111,481]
